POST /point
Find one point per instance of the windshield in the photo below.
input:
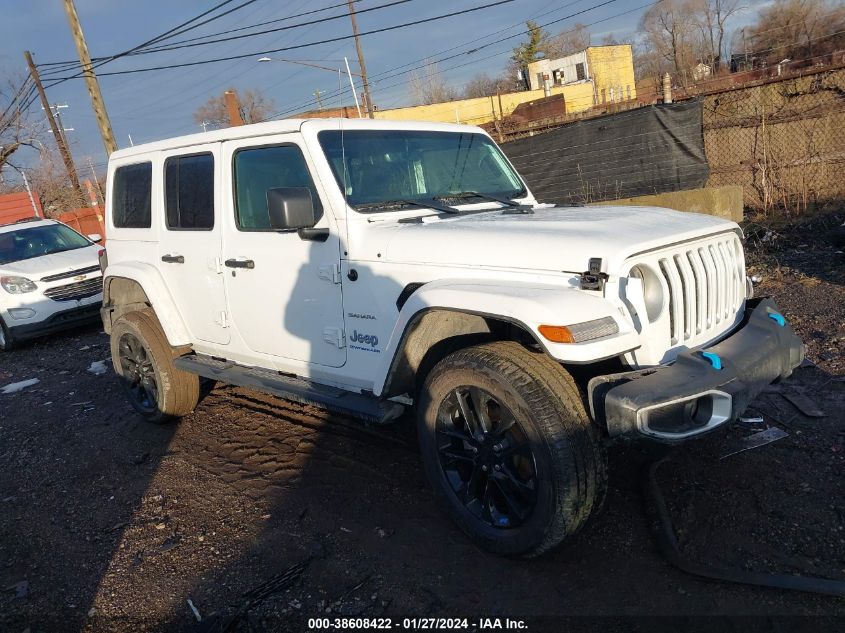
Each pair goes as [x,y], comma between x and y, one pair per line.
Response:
[37,241]
[395,165]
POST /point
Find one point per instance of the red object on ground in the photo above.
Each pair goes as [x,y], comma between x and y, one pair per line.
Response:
[18,206]
[86,221]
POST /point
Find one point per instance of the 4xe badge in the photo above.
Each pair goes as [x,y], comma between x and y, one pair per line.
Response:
[364,339]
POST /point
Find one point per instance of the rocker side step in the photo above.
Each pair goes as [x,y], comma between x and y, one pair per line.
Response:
[299,390]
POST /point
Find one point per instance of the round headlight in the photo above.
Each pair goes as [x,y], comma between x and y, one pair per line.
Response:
[652,290]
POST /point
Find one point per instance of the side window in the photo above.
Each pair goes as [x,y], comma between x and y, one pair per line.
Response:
[131,196]
[261,168]
[189,192]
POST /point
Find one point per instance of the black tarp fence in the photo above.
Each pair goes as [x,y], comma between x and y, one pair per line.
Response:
[649,150]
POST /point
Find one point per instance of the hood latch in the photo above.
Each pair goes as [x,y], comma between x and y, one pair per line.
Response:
[593,278]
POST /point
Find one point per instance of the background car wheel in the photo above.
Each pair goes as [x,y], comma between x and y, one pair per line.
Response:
[143,360]
[5,342]
[509,448]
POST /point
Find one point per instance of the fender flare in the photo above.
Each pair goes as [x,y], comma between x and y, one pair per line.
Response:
[525,305]
[159,297]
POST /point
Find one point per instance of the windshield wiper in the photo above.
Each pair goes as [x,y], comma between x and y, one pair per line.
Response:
[512,207]
[475,194]
[425,204]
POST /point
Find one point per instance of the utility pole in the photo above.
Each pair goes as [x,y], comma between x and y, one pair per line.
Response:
[96,180]
[60,139]
[61,126]
[369,104]
[91,80]
[318,94]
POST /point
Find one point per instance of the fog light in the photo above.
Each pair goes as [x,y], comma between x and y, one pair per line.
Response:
[21,313]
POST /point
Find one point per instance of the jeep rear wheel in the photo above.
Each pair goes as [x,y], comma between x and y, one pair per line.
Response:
[143,360]
[509,448]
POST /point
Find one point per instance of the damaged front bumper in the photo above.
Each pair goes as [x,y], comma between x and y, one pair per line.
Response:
[702,389]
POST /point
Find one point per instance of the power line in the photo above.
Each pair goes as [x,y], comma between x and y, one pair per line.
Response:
[393,73]
[287,48]
[174,46]
[267,22]
[17,97]
[170,33]
[225,71]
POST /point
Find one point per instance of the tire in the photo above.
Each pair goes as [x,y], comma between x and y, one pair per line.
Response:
[156,389]
[6,343]
[538,472]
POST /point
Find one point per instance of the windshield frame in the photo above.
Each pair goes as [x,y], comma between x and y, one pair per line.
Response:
[56,227]
[370,207]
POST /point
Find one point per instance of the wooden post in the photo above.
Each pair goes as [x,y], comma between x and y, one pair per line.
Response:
[91,79]
[57,133]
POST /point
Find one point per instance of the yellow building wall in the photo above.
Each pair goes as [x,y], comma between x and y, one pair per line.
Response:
[481,110]
[612,67]
[579,97]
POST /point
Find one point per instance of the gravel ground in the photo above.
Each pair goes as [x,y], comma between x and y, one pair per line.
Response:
[109,523]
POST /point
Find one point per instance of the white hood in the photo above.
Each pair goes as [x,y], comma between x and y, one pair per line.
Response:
[53,264]
[552,239]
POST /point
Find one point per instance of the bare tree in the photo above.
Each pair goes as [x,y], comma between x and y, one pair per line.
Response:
[669,27]
[18,129]
[712,17]
[482,85]
[49,182]
[255,106]
[427,86]
[798,29]
[567,42]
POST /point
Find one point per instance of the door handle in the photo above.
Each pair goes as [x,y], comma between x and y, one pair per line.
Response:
[173,259]
[240,263]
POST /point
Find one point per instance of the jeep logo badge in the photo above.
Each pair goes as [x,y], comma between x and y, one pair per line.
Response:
[364,339]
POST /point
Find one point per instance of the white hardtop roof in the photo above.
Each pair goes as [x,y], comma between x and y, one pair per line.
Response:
[26,224]
[289,125]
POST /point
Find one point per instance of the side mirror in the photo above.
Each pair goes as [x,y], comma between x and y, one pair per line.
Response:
[95,237]
[290,208]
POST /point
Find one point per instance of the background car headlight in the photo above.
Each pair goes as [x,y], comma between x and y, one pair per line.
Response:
[652,290]
[17,285]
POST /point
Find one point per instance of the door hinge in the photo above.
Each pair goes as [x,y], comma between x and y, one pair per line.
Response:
[335,336]
[218,265]
[330,272]
[223,321]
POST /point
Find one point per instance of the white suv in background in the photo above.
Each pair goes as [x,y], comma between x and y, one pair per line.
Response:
[50,279]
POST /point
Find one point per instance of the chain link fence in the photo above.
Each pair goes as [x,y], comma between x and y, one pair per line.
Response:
[782,141]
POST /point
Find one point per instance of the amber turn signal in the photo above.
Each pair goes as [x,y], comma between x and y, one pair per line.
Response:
[557,333]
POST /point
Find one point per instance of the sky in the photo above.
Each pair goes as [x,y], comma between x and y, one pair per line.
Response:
[152,105]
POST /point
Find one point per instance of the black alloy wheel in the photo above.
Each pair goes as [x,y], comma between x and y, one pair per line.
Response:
[486,458]
[139,373]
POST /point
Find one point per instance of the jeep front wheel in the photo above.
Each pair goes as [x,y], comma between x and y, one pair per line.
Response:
[143,361]
[509,448]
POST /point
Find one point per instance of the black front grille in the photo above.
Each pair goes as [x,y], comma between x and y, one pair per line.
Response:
[71,273]
[80,290]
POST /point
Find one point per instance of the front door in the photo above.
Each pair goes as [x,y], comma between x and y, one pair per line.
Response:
[283,290]
[189,248]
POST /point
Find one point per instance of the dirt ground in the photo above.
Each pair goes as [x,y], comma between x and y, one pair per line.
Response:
[109,523]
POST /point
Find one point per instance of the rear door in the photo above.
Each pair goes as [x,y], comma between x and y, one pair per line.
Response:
[189,248]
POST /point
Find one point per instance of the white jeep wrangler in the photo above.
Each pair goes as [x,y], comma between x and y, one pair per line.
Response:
[369,266]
